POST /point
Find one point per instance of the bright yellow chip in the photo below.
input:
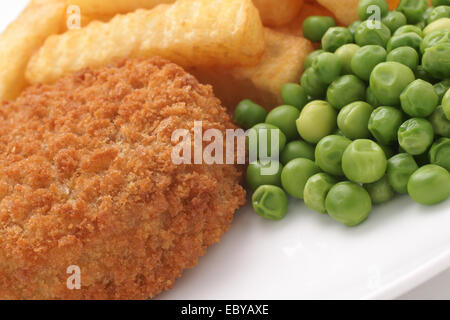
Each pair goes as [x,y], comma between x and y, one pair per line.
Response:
[346,11]
[188,32]
[22,37]
[112,7]
[282,62]
[276,13]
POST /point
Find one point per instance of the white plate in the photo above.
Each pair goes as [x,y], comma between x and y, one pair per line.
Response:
[309,256]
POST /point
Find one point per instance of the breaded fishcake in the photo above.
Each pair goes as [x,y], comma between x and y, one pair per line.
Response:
[86,179]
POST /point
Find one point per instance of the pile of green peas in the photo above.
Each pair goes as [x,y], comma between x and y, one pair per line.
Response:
[370,117]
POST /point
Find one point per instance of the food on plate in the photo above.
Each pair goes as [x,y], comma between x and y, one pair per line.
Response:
[112,7]
[40,19]
[380,191]
[419,99]
[439,13]
[328,67]
[345,54]
[440,153]
[278,13]
[384,123]
[394,20]
[270,202]
[234,38]
[336,37]
[413,10]
[297,149]
[256,177]
[295,95]
[345,90]
[346,11]
[429,185]
[249,114]
[440,123]
[317,120]
[446,104]
[314,27]
[405,55]
[284,117]
[415,135]
[316,190]
[366,34]
[441,88]
[328,154]
[366,59]
[87,180]
[365,10]
[259,140]
[353,120]
[295,174]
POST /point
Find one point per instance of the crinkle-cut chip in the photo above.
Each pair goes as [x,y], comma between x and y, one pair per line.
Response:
[282,62]
[112,7]
[188,32]
[346,11]
[277,13]
[22,37]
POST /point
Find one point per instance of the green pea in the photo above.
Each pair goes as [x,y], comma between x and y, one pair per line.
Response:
[441,88]
[429,185]
[349,203]
[436,3]
[440,153]
[329,153]
[407,29]
[421,73]
[394,20]
[316,191]
[366,34]
[248,114]
[270,202]
[380,191]
[336,37]
[366,59]
[328,67]
[388,150]
[264,173]
[446,104]
[436,61]
[317,120]
[346,53]
[353,120]
[297,149]
[264,132]
[295,174]
[438,13]
[434,38]
[371,99]
[384,123]
[284,117]
[364,161]
[388,80]
[422,24]
[405,55]
[312,84]
[294,95]
[399,169]
[410,39]
[427,13]
[345,90]
[440,24]
[413,9]
[365,8]
[314,27]
[440,123]
[353,26]
[415,135]
[310,58]
[419,99]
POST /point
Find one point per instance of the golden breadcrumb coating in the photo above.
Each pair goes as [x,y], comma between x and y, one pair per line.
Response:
[86,179]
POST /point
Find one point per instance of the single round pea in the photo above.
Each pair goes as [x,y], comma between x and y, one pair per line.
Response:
[446,104]
[367,34]
[270,202]
[438,13]
[413,9]
[429,185]
[248,114]
[365,8]
[264,173]
[421,73]
[440,123]
[294,95]
[364,161]
[415,135]
[297,149]
[436,61]
[346,53]
[353,26]
[394,20]
[349,203]
[329,153]
[284,117]
[407,29]
[410,39]
[310,58]
[419,99]
[366,59]
[295,174]
[405,55]
[328,67]
[440,153]
[436,3]
[336,37]
[353,120]
[380,191]
[316,191]
[440,24]
[317,120]
[371,99]
[314,27]
[434,38]
[345,90]
[427,13]
[384,123]
[312,84]
[264,132]
[399,169]
[441,88]
[388,80]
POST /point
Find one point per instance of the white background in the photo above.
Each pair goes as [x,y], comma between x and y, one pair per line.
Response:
[436,288]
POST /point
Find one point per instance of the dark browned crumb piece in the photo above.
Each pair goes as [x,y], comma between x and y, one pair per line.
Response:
[86,179]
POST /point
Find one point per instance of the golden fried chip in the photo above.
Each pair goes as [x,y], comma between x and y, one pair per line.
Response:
[112,7]
[188,32]
[22,37]
[282,62]
[346,11]
[277,13]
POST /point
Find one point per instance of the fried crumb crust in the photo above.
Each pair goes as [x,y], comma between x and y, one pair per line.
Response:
[86,179]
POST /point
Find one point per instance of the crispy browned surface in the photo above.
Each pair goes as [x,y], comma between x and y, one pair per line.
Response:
[86,179]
